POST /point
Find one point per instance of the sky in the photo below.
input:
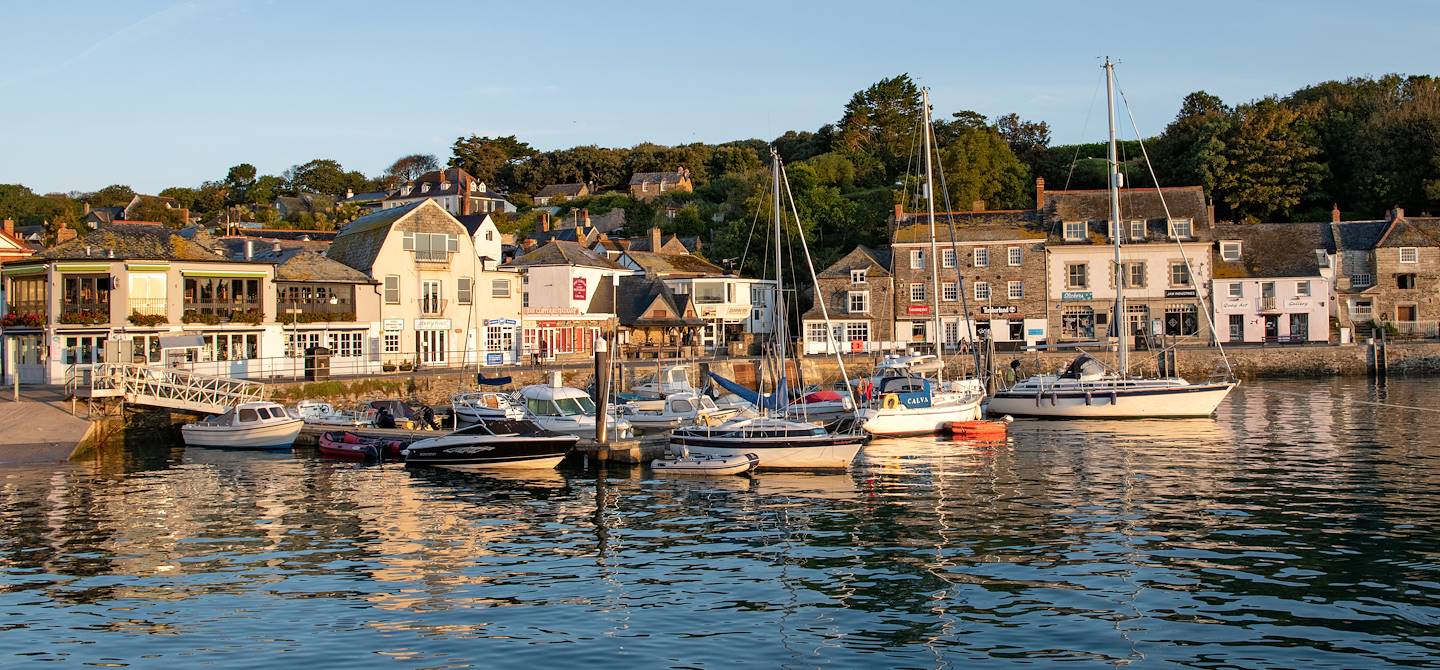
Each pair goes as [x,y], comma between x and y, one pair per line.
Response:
[158,94]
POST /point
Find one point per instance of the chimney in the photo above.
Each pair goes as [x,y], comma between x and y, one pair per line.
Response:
[276,248]
[654,239]
[544,221]
[1039,193]
[585,217]
[1210,212]
[349,193]
[249,250]
[1397,213]
[87,208]
[10,226]
[1335,213]
[64,234]
[899,211]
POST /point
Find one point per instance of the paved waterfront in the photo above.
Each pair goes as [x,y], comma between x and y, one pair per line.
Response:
[39,428]
[1297,529]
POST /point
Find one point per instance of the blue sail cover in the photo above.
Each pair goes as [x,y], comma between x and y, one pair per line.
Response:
[777,400]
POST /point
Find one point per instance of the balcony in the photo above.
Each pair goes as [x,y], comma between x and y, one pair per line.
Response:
[214,313]
[1268,303]
[84,313]
[432,256]
[316,312]
[148,306]
[432,306]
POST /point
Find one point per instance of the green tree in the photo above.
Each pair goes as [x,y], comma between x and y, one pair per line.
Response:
[321,175]
[265,190]
[980,166]
[1271,161]
[882,121]
[408,168]
[114,195]
[484,157]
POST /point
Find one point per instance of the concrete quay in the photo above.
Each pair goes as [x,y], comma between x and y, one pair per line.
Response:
[39,428]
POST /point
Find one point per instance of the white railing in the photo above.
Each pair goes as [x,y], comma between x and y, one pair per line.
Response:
[1415,329]
[175,389]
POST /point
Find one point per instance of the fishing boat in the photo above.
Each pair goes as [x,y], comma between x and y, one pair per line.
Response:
[1087,388]
[705,466]
[563,409]
[473,406]
[260,425]
[499,444]
[340,444]
[324,414]
[676,409]
[779,442]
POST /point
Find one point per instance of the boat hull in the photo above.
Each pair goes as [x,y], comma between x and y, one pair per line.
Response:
[901,421]
[278,436]
[706,466]
[489,453]
[832,452]
[1179,402]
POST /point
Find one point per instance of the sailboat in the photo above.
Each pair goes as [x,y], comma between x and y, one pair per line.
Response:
[903,401]
[778,441]
[1087,389]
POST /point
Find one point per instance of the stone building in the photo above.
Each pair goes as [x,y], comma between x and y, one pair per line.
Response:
[1388,274]
[991,268]
[858,292]
[651,185]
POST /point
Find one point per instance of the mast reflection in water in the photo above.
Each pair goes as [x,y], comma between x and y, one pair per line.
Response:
[1297,529]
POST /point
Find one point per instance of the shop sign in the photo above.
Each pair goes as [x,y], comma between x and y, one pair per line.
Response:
[1077,295]
[577,288]
[1296,302]
[1235,304]
[1035,332]
[917,309]
[998,309]
[494,359]
[393,325]
[547,324]
[432,324]
[502,322]
[1180,293]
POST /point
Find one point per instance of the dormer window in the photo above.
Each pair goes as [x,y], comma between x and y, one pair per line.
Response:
[1181,229]
[1137,229]
[425,187]
[406,190]
[1230,250]
[1074,231]
[1322,259]
[858,276]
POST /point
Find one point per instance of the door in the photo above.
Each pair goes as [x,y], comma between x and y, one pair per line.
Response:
[431,345]
[1299,327]
[29,354]
[1272,327]
[1237,327]
[1017,330]
[83,351]
[1136,318]
[430,302]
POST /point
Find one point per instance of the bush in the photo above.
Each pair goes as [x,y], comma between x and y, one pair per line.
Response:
[193,316]
[147,320]
[250,316]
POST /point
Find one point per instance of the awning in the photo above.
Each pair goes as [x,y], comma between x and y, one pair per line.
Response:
[235,274]
[147,267]
[181,341]
[82,267]
[24,270]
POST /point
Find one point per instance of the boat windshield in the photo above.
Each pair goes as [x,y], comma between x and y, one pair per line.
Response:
[575,406]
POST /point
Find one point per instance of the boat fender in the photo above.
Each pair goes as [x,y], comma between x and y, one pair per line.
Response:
[1038,394]
[1088,399]
[1114,398]
[891,401]
[1052,398]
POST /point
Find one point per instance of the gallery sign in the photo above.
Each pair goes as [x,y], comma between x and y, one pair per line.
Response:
[432,324]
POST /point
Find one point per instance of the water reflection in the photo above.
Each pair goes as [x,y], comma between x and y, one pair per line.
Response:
[1297,528]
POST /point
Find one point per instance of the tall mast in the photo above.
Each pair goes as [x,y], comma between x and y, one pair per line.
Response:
[939,336]
[780,313]
[1119,320]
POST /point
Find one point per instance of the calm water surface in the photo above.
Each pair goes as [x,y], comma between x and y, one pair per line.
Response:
[1300,528]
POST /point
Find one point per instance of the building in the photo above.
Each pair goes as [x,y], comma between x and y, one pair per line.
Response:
[294,206]
[1267,286]
[438,305]
[655,321]
[991,270]
[13,246]
[1166,263]
[454,189]
[365,202]
[651,185]
[569,297]
[858,292]
[558,193]
[117,294]
[486,238]
[1388,275]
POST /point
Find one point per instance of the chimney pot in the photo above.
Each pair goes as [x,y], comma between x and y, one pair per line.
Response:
[1039,193]
[899,211]
[249,249]
[544,221]
[1335,213]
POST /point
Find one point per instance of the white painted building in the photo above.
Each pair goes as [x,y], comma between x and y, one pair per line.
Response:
[1269,285]
[568,299]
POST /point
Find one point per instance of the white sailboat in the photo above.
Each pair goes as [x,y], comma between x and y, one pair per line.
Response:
[903,401]
[1087,389]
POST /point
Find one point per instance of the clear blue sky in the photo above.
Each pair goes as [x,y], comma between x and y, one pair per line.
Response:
[155,94]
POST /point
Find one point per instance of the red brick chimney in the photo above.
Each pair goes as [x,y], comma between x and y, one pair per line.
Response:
[10,226]
[1039,193]
[899,211]
[544,221]
[585,218]
[1335,213]
[655,239]
[64,234]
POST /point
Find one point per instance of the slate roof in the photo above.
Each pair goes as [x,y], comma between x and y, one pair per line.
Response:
[637,293]
[561,252]
[472,222]
[367,196]
[103,215]
[562,190]
[859,258]
[1412,231]
[670,245]
[1270,250]
[670,177]
[602,299]
[305,202]
[673,264]
[970,227]
[130,241]
[566,234]
[443,182]
[313,266]
[1353,235]
[1093,207]
[358,244]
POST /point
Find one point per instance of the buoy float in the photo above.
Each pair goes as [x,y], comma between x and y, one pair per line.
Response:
[980,429]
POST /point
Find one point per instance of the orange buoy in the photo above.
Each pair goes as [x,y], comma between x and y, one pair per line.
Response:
[978,429]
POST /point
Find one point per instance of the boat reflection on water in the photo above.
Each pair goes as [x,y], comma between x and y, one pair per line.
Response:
[498,479]
[824,486]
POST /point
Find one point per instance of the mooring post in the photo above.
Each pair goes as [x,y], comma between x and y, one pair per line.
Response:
[602,390]
[15,365]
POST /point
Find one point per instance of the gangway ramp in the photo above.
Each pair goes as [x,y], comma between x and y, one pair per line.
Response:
[164,387]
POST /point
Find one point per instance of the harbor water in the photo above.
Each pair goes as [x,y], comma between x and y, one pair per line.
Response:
[1299,528]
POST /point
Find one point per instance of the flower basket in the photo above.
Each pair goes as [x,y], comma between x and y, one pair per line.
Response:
[250,316]
[84,317]
[23,320]
[193,316]
[147,320]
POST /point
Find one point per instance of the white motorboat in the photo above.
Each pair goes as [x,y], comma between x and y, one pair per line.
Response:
[495,444]
[705,466]
[261,425]
[902,401]
[666,382]
[325,414]
[563,409]
[1087,390]
[780,443]
[676,409]
[476,406]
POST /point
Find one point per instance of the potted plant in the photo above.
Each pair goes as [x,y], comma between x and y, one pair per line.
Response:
[147,320]
[22,320]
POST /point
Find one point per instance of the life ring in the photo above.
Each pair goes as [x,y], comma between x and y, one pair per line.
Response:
[891,401]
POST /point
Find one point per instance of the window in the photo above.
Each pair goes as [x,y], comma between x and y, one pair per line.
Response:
[917,259]
[1302,289]
[27,295]
[1179,274]
[463,290]
[86,298]
[1181,320]
[392,289]
[1322,259]
[947,258]
[982,290]
[499,339]
[1181,229]
[430,247]
[1077,275]
[1015,290]
[1409,255]
[1014,255]
[859,276]
[857,331]
[297,343]
[525,299]
[1361,280]
[84,349]
[145,349]
[147,293]
[951,333]
[221,296]
[1406,281]
[1077,322]
[232,346]
[1230,251]
[1237,327]
[1134,274]
[949,291]
[982,257]
[336,301]
[708,293]
[347,345]
[815,332]
[392,343]
[859,302]
[1074,231]
[1235,290]
[499,288]
[430,302]
[1137,229]
[917,293]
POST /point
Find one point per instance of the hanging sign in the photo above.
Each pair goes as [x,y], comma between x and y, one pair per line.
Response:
[577,288]
[917,309]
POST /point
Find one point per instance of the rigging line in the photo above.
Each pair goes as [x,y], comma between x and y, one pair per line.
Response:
[959,275]
[1375,403]
[759,202]
[1204,295]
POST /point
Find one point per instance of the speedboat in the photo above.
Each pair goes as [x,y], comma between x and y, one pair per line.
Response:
[473,406]
[780,443]
[1088,390]
[563,409]
[260,425]
[325,414]
[492,444]
[677,409]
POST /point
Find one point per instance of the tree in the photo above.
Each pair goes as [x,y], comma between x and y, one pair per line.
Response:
[980,166]
[152,209]
[265,190]
[1270,161]
[1192,148]
[1027,139]
[483,157]
[114,195]
[321,175]
[408,168]
[182,194]
[881,121]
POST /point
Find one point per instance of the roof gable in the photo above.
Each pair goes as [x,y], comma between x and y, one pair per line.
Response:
[859,258]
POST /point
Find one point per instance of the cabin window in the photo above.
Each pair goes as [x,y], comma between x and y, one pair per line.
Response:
[1074,231]
[1230,251]
[1014,256]
[982,257]
[1409,255]
[248,415]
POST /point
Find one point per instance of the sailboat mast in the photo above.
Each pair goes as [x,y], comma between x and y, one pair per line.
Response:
[780,313]
[1119,319]
[939,335]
